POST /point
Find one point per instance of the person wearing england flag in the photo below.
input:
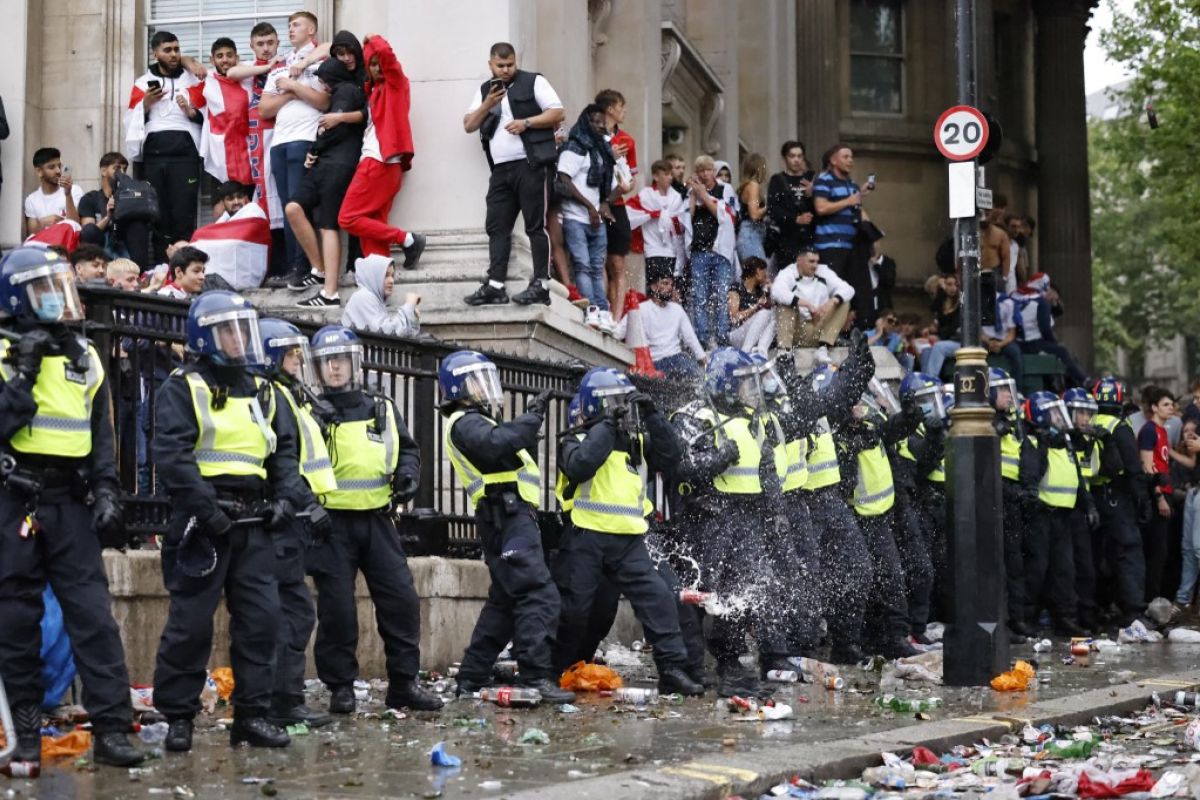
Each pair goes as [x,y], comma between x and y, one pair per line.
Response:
[226,105]
[161,135]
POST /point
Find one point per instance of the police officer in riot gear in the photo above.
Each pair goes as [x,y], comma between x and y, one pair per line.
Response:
[225,452]
[626,441]
[494,463]
[289,366]
[376,465]
[56,448]
[1017,490]
[1085,519]
[1120,488]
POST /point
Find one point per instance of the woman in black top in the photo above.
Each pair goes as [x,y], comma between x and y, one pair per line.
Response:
[947,319]
[751,315]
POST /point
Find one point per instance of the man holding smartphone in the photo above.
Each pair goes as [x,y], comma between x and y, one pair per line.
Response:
[515,113]
[162,136]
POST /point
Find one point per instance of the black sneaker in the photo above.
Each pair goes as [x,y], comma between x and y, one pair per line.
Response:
[319,300]
[257,732]
[466,687]
[534,293]
[487,295]
[116,750]
[412,253]
[676,681]
[408,694]
[550,691]
[179,735]
[277,282]
[341,700]
[299,714]
[305,280]
[899,648]
[845,654]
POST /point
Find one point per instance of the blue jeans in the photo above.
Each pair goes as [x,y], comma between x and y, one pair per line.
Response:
[933,357]
[1012,351]
[708,294]
[680,365]
[1190,548]
[287,168]
[588,246]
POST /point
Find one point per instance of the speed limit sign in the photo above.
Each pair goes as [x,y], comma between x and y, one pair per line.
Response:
[961,133]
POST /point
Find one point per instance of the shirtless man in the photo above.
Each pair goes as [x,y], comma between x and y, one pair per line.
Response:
[993,245]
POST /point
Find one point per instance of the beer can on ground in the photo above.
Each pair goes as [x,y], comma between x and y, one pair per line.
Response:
[834,683]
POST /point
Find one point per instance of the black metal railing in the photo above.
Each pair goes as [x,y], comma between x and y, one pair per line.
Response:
[142,336]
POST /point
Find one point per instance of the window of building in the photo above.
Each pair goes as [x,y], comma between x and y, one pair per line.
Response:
[198,23]
[877,56]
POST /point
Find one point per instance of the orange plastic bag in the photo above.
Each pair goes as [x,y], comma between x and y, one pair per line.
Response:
[583,677]
[223,678]
[69,744]
[1017,679]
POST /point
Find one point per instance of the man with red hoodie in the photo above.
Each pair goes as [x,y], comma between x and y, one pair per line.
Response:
[387,154]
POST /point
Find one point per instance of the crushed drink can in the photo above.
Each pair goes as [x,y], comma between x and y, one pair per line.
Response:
[694,597]
[834,683]
[737,703]
[21,769]
[637,696]
[1079,647]
[782,676]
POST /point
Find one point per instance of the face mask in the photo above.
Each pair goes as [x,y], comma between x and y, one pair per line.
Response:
[50,307]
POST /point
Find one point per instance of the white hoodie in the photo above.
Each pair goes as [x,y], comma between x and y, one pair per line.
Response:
[367,308]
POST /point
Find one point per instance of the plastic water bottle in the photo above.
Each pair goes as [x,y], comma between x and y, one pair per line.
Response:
[154,734]
[814,671]
[510,696]
[635,695]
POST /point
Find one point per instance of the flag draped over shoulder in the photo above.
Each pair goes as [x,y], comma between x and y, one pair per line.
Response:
[223,144]
[237,248]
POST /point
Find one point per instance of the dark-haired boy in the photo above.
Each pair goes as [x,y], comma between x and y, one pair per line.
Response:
[56,197]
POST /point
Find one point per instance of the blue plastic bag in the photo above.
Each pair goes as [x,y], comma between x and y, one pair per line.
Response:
[58,664]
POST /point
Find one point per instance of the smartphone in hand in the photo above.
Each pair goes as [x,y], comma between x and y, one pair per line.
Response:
[871,182]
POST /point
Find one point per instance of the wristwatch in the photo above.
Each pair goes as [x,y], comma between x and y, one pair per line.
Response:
[528,124]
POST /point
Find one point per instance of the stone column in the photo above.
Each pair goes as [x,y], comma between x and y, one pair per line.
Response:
[1064,223]
[14,59]
[712,27]
[819,78]
[767,76]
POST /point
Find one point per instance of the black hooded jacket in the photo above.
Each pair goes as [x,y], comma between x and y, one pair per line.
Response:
[342,144]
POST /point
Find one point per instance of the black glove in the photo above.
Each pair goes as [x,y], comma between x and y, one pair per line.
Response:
[320,524]
[279,513]
[404,488]
[1092,515]
[728,454]
[860,350]
[935,424]
[1077,438]
[1002,425]
[33,346]
[644,403]
[217,523]
[1145,511]
[1055,439]
[538,404]
[108,519]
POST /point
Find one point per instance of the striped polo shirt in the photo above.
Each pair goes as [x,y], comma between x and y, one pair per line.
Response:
[835,231]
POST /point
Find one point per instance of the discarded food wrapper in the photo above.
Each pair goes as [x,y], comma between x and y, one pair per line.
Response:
[142,697]
[440,758]
[1191,735]
[1043,646]
[73,743]
[299,729]
[223,678]
[567,708]
[490,786]
[534,736]
[1017,679]
[584,677]
[1138,633]
[620,656]
[1186,635]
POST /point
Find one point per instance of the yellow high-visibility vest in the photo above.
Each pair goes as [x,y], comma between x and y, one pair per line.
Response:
[527,477]
[62,425]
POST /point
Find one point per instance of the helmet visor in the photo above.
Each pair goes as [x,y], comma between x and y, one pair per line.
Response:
[1083,412]
[613,398]
[51,294]
[235,336]
[929,400]
[750,389]
[294,359]
[1004,394]
[481,386]
[1056,416]
[884,397]
[339,368]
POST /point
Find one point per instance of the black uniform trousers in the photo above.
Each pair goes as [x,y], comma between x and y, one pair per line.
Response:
[624,561]
[931,499]
[517,187]
[1049,563]
[298,617]
[1122,546]
[1015,526]
[794,552]
[915,560]
[887,617]
[66,554]
[845,563]
[1085,568]
[176,179]
[367,542]
[522,605]
[245,575]
[1154,549]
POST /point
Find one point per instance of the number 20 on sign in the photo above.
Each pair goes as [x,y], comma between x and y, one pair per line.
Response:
[961,133]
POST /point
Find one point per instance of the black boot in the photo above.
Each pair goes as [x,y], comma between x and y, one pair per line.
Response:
[1019,627]
[27,758]
[341,700]
[257,732]
[179,735]
[408,694]
[846,654]
[899,648]
[534,293]
[674,680]
[551,694]
[1067,626]
[115,749]
[299,714]
[737,680]
[466,687]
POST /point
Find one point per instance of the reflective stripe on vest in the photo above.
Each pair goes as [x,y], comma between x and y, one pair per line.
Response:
[822,463]
[938,473]
[795,454]
[234,439]
[874,492]
[1010,457]
[614,499]
[62,425]
[1109,423]
[1089,461]
[742,477]
[528,477]
[315,466]
[364,461]
[1060,485]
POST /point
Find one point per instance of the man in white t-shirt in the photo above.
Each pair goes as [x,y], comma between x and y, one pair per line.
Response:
[812,303]
[56,198]
[1001,338]
[296,105]
[515,113]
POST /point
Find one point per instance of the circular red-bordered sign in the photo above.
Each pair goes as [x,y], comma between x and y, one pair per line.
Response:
[961,133]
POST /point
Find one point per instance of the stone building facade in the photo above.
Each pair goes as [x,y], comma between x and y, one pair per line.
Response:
[700,76]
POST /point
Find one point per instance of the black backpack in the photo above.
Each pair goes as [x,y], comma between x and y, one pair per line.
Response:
[137,201]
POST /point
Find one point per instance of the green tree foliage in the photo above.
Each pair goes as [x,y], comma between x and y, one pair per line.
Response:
[1145,182]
